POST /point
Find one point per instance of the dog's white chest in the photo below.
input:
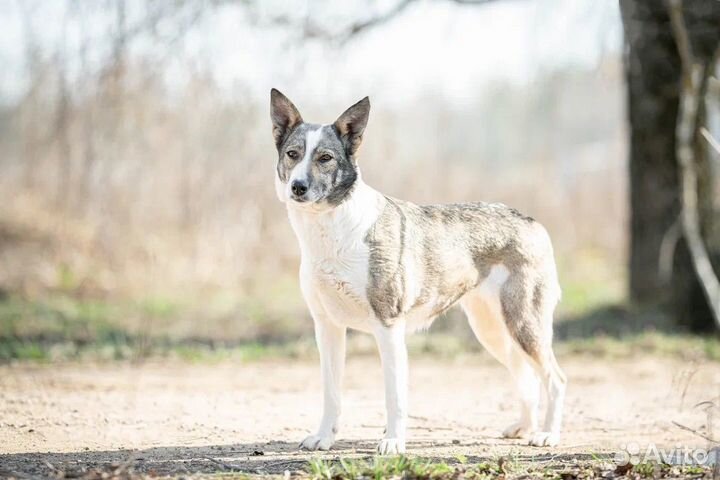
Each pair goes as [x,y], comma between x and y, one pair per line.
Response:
[334,269]
[338,265]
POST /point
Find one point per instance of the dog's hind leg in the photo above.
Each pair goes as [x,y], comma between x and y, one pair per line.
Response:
[526,302]
[555,382]
[486,320]
[511,314]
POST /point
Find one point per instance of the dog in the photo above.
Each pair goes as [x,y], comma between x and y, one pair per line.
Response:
[385,266]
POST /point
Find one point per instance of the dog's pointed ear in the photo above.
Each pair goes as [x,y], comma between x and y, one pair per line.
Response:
[284,116]
[351,124]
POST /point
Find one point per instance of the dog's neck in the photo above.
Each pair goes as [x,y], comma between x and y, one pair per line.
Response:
[348,221]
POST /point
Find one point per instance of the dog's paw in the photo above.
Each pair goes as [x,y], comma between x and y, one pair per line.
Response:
[545,439]
[517,430]
[317,442]
[391,446]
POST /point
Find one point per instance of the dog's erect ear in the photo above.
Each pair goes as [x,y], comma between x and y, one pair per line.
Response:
[284,116]
[351,124]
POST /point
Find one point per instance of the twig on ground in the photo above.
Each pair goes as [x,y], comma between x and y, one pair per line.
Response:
[686,378]
[286,462]
[695,432]
[224,466]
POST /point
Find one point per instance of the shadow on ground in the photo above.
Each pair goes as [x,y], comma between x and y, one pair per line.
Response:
[615,321]
[263,458]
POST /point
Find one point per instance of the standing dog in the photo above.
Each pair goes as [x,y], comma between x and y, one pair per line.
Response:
[386,266]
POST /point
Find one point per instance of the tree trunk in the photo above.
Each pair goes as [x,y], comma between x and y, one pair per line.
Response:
[653,72]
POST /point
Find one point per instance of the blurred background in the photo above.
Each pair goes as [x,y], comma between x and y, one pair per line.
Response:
[138,212]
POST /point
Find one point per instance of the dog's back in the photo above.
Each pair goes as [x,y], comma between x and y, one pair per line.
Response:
[425,258]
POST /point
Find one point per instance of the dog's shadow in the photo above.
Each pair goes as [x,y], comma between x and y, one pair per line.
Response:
[251,458]
[254,458]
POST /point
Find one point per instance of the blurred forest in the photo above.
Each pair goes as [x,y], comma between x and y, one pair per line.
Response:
[138,181]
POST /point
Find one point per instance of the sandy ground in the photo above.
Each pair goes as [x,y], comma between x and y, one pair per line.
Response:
[176,418]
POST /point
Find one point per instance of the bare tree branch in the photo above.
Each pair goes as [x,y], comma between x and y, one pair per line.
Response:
[397,9]
[311,29]
[379,19]
[711,140]
[687,128]
[667,251]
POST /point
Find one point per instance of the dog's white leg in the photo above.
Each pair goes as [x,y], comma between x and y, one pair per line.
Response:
[527,383]
[486,320]
[330,340]
[393,353]
[555,382]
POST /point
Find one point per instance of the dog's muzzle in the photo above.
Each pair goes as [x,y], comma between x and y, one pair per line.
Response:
[299,188]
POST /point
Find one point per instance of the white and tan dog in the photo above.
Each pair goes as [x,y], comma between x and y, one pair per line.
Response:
[386,266]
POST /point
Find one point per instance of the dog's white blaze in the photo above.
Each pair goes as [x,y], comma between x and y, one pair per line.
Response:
[301,171]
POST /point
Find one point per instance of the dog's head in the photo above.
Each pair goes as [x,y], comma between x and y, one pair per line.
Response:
[316,166]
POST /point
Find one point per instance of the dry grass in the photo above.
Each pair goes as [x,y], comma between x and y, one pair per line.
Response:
[145,218]
[137,191]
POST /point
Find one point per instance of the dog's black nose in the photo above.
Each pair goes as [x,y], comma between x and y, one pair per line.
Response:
[299,188]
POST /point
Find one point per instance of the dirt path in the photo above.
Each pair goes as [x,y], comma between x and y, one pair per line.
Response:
[179,418]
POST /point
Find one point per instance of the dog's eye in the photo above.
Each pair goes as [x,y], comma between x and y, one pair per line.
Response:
[291,154]
[325,158]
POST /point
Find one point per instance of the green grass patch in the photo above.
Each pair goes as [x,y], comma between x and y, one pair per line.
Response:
[589,280]
[624,331]
[133,348]
[687,347]
[416,468]
[61,327]
[560,467]
[401,466]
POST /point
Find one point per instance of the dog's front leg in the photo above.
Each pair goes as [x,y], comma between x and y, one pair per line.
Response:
[330,340]
[393,353]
